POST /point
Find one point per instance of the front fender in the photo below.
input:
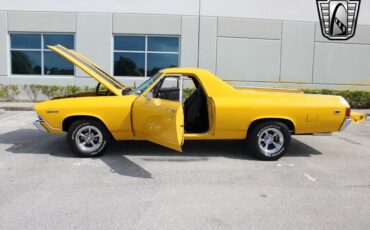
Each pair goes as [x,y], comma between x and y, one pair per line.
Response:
[113,111]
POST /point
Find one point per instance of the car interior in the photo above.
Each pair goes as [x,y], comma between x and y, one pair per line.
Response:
[194,101]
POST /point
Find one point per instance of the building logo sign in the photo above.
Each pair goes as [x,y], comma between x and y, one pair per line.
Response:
[338,18]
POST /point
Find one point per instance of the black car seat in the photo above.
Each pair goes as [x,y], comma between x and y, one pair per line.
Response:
[192,109]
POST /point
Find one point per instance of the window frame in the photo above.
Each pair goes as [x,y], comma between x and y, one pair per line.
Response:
[180,82]
[42,49]
[145,51]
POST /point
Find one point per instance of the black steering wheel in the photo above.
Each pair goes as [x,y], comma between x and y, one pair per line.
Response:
[97,89]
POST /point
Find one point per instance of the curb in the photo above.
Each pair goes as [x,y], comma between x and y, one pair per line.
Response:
[12,108]
[367,113]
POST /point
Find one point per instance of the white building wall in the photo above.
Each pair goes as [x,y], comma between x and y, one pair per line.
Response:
[94,42]
[3,44]
[260,43]
[286,10]
[178,7]
[297,49]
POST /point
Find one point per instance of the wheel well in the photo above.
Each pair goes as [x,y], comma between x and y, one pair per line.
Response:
[69,120]
[287,122]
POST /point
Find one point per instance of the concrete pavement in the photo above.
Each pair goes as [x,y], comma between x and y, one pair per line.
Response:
[17,106]
[322,183]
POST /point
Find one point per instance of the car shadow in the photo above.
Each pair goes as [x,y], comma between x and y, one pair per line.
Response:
[32,141]
[300,149]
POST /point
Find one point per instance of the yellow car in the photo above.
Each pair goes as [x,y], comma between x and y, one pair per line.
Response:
[178,104]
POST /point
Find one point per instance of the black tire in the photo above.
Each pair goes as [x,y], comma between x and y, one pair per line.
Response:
[91,132]
[273,134]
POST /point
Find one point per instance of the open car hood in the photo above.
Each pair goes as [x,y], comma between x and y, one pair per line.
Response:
[90,68]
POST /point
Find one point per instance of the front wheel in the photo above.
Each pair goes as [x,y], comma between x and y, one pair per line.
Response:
[269,140]
[88,138]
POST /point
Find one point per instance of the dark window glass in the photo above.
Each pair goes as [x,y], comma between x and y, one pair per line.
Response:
[130,43]
[26,62]
[56,65]
[25,41]
[129,64]
[164,44]
[161,61]
[133,63]
[65,40]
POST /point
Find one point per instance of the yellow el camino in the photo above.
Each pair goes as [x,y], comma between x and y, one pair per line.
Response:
[180,104]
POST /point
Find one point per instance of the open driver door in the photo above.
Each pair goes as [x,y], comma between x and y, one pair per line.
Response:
[157,114]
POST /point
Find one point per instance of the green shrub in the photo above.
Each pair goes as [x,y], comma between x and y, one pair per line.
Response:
[32,91]
[88,89]
[187,92]
[357,99]
[51,91]
[13,92]
[9,92]
[71,89]
[3,91]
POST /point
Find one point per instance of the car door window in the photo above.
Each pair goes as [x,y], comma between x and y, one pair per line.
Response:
[188,87]
[168,88]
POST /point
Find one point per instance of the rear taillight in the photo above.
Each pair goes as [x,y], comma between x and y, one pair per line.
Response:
[348,112]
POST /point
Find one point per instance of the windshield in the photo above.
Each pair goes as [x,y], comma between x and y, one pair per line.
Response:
[139,90]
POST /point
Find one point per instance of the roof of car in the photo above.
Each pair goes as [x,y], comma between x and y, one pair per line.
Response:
[212,83]
[185,70]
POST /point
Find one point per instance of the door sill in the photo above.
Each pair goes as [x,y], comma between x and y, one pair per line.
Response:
[197,136]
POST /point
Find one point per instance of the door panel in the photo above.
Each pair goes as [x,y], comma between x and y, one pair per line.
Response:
[159,121]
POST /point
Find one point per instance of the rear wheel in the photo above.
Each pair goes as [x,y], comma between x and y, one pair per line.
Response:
[269,140]
[88,138]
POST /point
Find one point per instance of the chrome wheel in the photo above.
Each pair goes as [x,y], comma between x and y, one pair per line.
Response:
[89,139]
[270,141]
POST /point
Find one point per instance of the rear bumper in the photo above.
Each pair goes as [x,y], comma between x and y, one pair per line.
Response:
[38,124]
[345,124]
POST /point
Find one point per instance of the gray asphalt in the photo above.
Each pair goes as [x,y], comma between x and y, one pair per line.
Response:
[322,183]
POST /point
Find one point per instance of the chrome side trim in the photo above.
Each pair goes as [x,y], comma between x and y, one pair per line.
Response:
[345,124]
[38,125]
[47,124]
[51,127]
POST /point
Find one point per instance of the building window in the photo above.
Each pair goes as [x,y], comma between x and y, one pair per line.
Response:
[30,55]
[139,55]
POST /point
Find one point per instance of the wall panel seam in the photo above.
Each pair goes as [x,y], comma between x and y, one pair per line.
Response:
[8,62]
[281,49]
[199,12]
[313,54]
[216,60]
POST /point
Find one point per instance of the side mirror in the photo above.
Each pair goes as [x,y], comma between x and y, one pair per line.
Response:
[149,95]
